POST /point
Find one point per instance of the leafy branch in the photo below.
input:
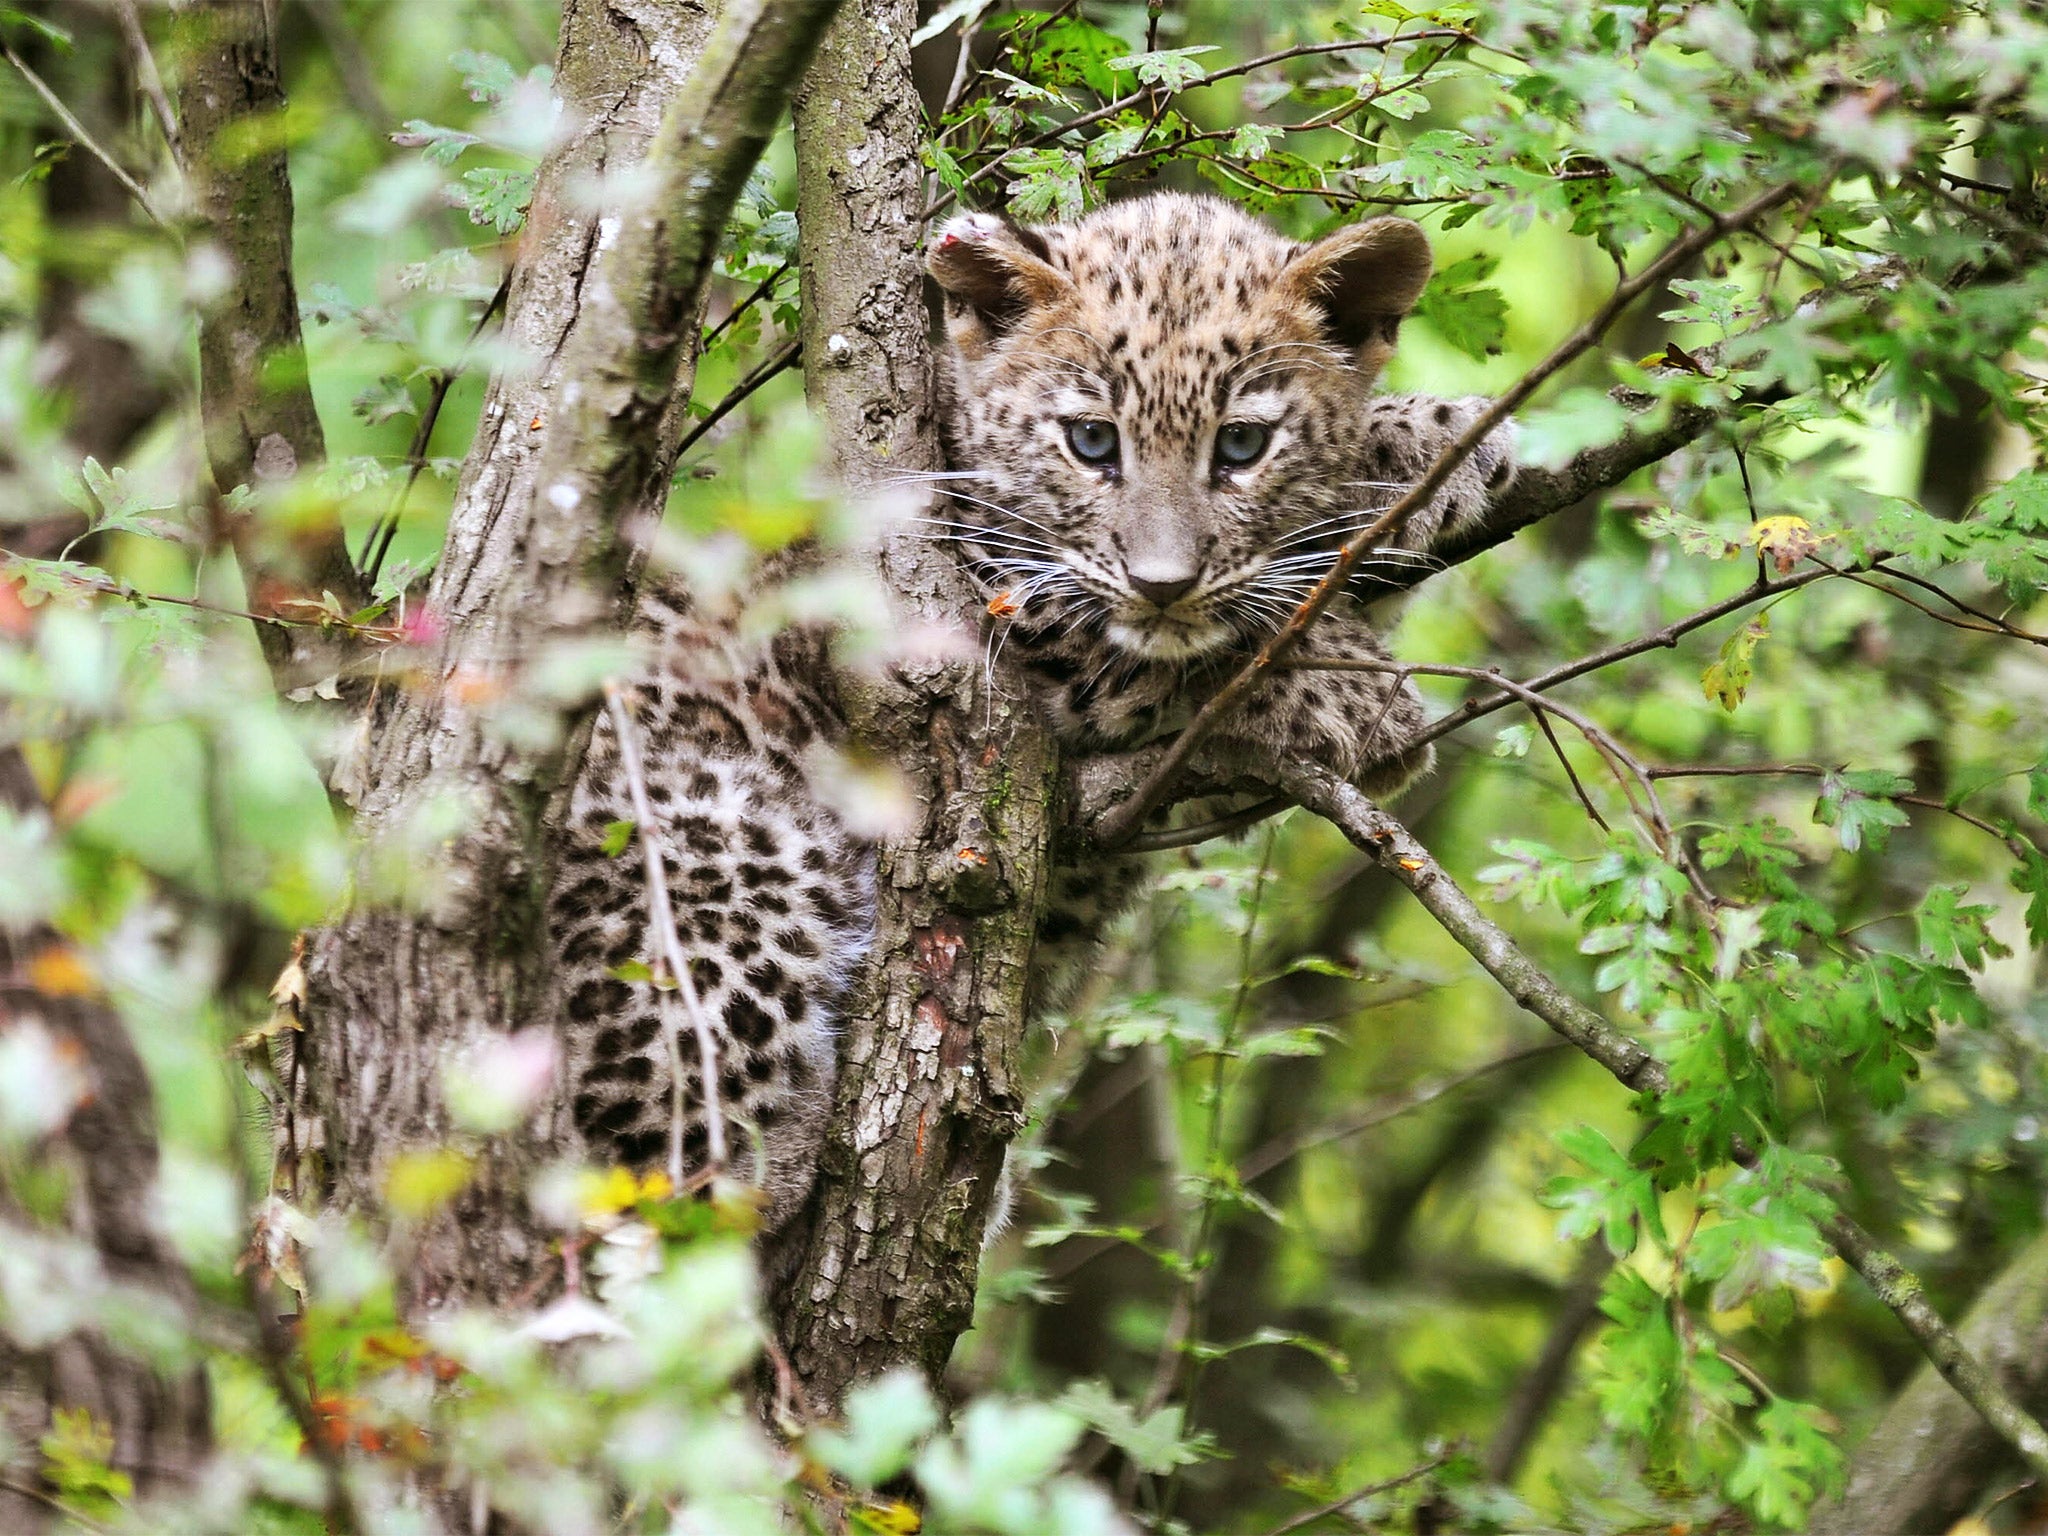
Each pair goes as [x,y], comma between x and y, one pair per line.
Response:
[1394,849]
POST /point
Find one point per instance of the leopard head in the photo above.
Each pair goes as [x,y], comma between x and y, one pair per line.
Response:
[1157,414]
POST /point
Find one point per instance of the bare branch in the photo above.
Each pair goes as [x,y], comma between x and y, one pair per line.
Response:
[82,135]
[151,80]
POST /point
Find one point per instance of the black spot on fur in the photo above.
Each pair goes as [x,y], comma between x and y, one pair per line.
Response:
[746,1023]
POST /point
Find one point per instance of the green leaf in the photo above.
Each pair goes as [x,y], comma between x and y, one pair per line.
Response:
[485,76]
[1794,1461]
[617,834]
[883,1423]
[1173,68]
[1616,1199]
[1848,803]
[1154,1443]
[1459,306]
[1953,934]
[496,196]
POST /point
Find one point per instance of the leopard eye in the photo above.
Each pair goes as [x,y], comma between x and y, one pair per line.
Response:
[1240,442]
[1093,440]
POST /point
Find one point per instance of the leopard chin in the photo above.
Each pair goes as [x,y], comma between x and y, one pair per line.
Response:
[1161,637]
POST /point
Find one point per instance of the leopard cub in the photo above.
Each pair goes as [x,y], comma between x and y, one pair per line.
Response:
[1168,413]
[1161,425]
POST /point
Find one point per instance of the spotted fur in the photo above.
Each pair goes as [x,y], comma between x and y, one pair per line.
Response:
[1131,589]
[1141,584]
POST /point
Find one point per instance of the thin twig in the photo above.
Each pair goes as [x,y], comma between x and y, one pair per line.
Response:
[380,536]
[1658,639]
[1395,850]
[1542,715]
[1122,820]
[152,82]
[77,130]
[1285,1148]
[1995,628]
[760,291]
[785,357]
[1336,1506]
[2003,626]
[1202,832]
[662,918]
[52,1502]
[1814,771]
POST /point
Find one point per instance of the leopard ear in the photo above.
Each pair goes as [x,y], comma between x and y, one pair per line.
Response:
[1361,281]
[993,273]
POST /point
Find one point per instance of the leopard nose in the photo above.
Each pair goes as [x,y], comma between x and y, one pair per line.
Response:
[1163,594]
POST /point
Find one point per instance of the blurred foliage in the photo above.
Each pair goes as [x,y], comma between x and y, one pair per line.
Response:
[1307,1196]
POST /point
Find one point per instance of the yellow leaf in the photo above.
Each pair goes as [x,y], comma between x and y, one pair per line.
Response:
[608,1193]
[60,971]
[419,1183]
[1787,540]
[897,1519]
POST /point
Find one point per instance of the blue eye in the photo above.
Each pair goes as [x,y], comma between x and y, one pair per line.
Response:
[1240,442]
[1093,440]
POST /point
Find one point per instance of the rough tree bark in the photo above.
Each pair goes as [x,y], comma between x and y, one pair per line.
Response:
[882,1266]
[1931,1457]
[256,406]
[570,459]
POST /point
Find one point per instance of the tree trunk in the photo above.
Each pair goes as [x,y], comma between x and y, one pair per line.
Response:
[571,462]
[880,1270]
[157,1413]
[1931,1458]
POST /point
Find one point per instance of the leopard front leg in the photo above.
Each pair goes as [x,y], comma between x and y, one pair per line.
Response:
[1339,700]
[1405,435]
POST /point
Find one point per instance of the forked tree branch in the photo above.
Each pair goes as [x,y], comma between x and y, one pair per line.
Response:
[1391,846]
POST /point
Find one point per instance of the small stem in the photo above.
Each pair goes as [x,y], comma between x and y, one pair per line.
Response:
[77,130]
[786,356]
[1324,1511]
[662,917]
